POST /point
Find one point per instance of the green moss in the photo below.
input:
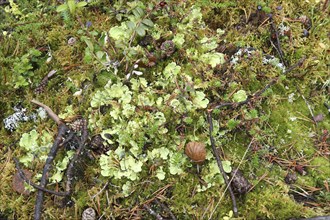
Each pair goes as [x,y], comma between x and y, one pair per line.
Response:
[320,169]
[273,202]
[282,131]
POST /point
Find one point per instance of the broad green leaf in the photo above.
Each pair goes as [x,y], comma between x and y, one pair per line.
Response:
[138,12]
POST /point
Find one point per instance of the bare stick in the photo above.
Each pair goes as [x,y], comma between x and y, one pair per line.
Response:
[62,129]
[278,44]
[28,181]
[50,112]
[152,212]
[217,157]
[227,187]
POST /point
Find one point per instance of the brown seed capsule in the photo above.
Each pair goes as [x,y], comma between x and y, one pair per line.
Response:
[196,151]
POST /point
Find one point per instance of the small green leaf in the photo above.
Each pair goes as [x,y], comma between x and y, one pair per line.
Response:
[100,54]
[72,6]
[119,32]
[200,101]
[81,4]
[148,22]
[178,40]
[138,12]
[140,30]
[213,58]
[88,55]
[88,42]
[131,25]
[239,96]
[61,8]
[171,70]
[160,174]
[226,166]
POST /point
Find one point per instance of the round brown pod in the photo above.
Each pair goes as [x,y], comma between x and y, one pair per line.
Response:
[196,151]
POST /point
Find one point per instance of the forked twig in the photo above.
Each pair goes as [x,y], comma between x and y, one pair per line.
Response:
[62,129]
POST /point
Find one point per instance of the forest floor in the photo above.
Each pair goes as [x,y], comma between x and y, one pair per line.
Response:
[143,96]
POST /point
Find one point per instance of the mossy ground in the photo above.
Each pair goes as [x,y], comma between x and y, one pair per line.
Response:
[284,134]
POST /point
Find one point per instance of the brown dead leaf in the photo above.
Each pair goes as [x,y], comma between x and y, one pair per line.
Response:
[18,182]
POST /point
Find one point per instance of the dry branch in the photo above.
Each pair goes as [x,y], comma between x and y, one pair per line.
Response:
[217,157]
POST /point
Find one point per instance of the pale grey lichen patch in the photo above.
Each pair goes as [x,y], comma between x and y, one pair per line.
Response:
[12,121]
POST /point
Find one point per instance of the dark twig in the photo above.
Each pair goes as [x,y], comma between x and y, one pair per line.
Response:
[165,208]
[276,44]
[152,212]
[62,129]
[28,181]
[217,157]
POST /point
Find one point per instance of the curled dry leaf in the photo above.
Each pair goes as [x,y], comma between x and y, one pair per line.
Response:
[196,151]
[18,182]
